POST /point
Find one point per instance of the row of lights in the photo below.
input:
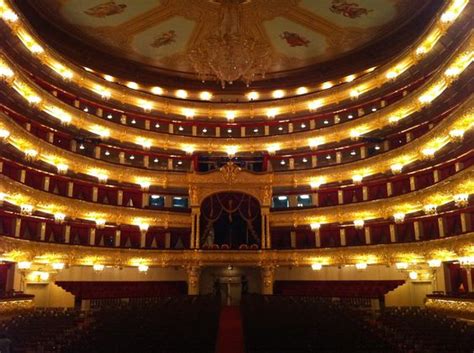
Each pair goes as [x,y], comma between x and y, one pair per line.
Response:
[447,17]
[427,152]
[460,200]
[354,134]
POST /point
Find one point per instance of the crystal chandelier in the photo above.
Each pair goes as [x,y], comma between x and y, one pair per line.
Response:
[230,54]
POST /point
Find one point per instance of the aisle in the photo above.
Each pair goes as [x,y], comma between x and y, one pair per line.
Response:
[230,338]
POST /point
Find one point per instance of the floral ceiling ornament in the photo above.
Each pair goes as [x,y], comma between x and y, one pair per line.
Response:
[231,54]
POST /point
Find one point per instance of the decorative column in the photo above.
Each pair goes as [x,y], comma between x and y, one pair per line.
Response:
[193,273]
[266,241]
[268,277]
[195,227]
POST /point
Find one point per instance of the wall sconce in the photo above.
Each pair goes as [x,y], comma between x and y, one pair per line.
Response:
[315,226]
[399,217]
[401,265]
[59,218]
[361,265]
[26,210]
[316,267]
[359,224]
[461,200]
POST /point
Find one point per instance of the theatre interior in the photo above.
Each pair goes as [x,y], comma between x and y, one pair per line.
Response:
[236,176]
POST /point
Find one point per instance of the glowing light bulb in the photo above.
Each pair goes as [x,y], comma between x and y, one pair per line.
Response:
[316,267]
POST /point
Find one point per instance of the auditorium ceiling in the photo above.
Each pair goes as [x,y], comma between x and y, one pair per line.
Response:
[160,33]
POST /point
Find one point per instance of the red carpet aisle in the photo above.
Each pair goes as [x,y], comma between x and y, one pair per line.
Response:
[230,338]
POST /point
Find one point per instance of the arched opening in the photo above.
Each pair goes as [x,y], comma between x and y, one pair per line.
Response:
[230,220]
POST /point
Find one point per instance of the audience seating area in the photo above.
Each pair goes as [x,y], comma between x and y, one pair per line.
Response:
[43,330]
[288,324]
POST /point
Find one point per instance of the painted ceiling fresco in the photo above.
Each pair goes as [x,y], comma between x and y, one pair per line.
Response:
[160,33]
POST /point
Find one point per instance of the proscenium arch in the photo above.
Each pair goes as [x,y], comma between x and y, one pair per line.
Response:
[230,220]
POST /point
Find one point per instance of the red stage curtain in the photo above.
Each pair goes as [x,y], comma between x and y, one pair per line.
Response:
[105,236]
[352,195]
[305,238]
[423,180]
[82,191]
[30,229]
[12,171]
[327,198]
[107,196]
[447,171]
[130,237]
[80,234]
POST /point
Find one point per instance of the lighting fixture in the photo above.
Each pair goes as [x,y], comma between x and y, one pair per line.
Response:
[205,96]
[279,93]
[326,85]
[315,226]
[58,266]
[316,183]
[359,223]
[272,112]
[230,115]
[142,268]
[4,134]
[98,267]
[157,90]
[399,217]
[189,113]
[251,96]
[434,263]
[59,218]
[230,53]
[144,184]
[100,223]
[24,265]
[457,134]
[182,94]
[401,265]
[26,210]
[357,179]
[301,90]
[429,209]
[315,104]
[396,168]
[461,200]
[316,267]
[133,85]
[361,265]
[413,275]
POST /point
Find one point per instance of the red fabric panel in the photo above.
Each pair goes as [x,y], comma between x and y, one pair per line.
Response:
[354,236]
[130,237]
[377,191]
[82,191]
[54,232]
[423,180]
[305,238]
[107,195]
[330,237]
[405,232]
[7,224]
[116,289]
[351,289]
[447,171]
[58,186]
[452,224]
[458,278]
[380,234]
[156,235]
[401,186]
[30,229]
[430,228]
[281,238]
[327,198]
[180,237]
[34,179]
[105,236]
[12,171]
[132,198]
[352,195]
[80,234]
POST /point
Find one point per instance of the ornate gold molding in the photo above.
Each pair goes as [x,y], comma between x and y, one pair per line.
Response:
[15,306]
[438,194]
[258,186]
[378,77]
[463,308]
[445,249]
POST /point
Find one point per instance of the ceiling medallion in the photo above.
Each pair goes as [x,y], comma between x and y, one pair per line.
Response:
[230,54]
